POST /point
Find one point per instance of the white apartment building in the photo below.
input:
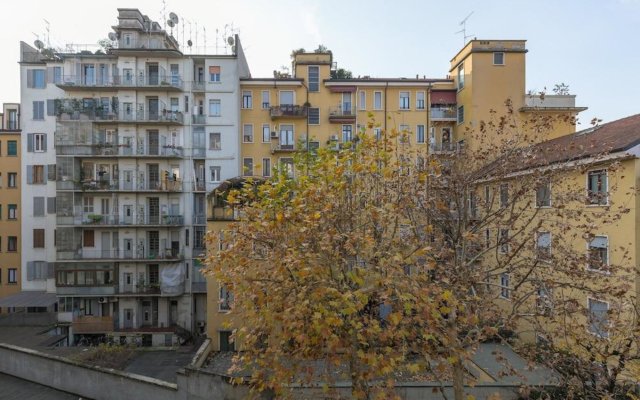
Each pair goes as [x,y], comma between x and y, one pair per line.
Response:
[123,145]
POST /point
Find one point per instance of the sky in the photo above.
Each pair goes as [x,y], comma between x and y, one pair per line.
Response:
[590,45]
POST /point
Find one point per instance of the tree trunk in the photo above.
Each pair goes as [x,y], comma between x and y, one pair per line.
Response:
[458,379]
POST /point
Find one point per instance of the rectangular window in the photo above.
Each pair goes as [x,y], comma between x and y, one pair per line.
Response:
[88,238]
[362,100]
[544,300]
[12,148]
[247,99]
[247,166]
[87,204]
[314,116]
[347,133]
[12,243]
[226,344]
[38,110]
[39,144]
[38,206]
[460,76]
[266,133]
[13,211]
[404,133]
[377,100]
[247,133]
[214,108]
[13,179]
[504,195]
[266,102]
[505,292]
[377,133]
[214,173]
[286,98]
[404,101]
[57,75]
[543,194]
[314,78]
[599,253]
[36,79]
[214,73]
[487,238]
[543,246]
[420,134]
[460,114]
[504,241]
[286,164]
[599,318]
[12,276]
[37,174]
[498,58]
[38,238]
[214,141]
[226,299]
[597,187]
[419,100]
[266,167]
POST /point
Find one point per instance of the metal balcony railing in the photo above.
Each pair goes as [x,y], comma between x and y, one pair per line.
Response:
[446,147]
[443,113]
[198,85]
[199,119]
[140,79]
[342,112]
[90,185]
[123,113]
[119,254]
[283,147]
[288,111]
[120,220]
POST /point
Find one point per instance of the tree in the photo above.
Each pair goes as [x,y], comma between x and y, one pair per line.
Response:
[383,260]
[341,73]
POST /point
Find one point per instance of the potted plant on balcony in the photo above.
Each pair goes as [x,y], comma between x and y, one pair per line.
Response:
[94,218]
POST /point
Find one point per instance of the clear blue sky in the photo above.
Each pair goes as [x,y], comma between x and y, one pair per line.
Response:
[590,45]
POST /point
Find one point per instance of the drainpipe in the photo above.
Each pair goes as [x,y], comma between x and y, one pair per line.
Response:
[386,86]
[428,108]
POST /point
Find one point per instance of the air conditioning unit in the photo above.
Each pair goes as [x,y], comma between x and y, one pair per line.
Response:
[103,299]
[274,135]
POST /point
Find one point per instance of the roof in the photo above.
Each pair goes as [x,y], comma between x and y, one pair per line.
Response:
[16,388]
[29,299]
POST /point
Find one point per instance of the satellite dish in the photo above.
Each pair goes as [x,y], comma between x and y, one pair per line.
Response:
[171,23]
[230,40]
[189,43]
[39,45]
[173,17]
[112,36]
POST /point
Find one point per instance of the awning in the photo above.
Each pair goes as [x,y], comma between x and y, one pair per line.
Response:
[29,299]
[443,97]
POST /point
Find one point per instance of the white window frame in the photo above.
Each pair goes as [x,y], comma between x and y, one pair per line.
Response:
[423,133]
[212,142]
[460,72]
[39,142]
[246,136]
[311,123]
[606,188]
[505,289]
[228,299]
[547,257]
[495,53]
[401,106]
[608,248]
[608,325]
[379,106]
[458,119]
[266,104]
[248,105]
[213,102]
[293,102]
[267,138]
[215,172]
[504,247]
[245,171]
[216,78]
[537,203]
[266,166]
[12,277]
[504,195]
[362,100]
[424,101]
[309,77]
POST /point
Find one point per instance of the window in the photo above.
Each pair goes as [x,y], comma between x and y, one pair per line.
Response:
[544,300]
[347,133]
[57,74]
[505,292]
[487,238]
[247,166]
[12,183]
[226,299]
[598,318]
[286,97]
[12,243]
[266,133]
[247,133]
[38,110]
[460,76]
[597,187]
[38,206]
[377,133]
[214,173]
[504,195]
[487,196]
[498,58]
[404,133]
[247,99]
[404,100]
[87,204]
[36,174]
[460,114]
[214,141]
[314,115]
[420,134]
[504,241]
[214,73]
[37,270]
[214,108]
[543,246]
[314,78]
[12,276]
[286,164]
[362,100]
[38,238]
[226,344]
[265,99]
[599,253]
[266,167]
[12,148]
[377,100]
[13,211]
[36,142]
[543,194]
[420,100]
[36,79]
[88,238]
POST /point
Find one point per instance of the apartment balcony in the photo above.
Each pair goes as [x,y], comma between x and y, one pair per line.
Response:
[198,86]
[108,290]
[141,115]
[223,214]
[91,324]
[198,119]
[443,114]
[550,103]
[199,219]
[199,186]
[161,82]
[342,114]
[114,185]
[288,111]
[141,289]
[113,149]
[115,220]
[283,148]
[142,255]
[199,287]
[444,148]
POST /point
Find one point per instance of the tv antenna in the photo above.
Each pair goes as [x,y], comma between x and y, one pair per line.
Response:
[48,29]
[463,23]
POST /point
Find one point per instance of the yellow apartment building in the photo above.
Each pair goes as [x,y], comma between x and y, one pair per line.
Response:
[10,201]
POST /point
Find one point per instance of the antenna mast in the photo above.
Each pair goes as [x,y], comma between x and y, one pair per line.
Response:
[463,23]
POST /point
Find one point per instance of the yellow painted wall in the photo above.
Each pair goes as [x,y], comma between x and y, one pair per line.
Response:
[9,227]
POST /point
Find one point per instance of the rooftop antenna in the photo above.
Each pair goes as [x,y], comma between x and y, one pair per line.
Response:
[463,23]
[47,28]
[217,52]
[204,33]
[189,42]
[164,14]
[196,37]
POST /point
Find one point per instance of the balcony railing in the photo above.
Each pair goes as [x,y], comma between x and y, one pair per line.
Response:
[122,114]
[223,214]
[140,255]
[199,119]
[118,220]
[120,185]
[199,219]
[141,80]
[446,147]
[91,324]
[151,288]
[72,148]
[283,148]
[198,85]
[443,113]
[288,111]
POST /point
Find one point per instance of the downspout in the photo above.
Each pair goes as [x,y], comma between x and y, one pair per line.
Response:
[386,86]
[428,108]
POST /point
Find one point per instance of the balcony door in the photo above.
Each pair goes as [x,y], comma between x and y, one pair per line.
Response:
[346,103]
[153,238]
[89,74]
[154,143]
[153,72]
[154,176]
[128,318]
[153,105]
[286,137]
[106,244]
[146,313]
[154,210]
[128,248]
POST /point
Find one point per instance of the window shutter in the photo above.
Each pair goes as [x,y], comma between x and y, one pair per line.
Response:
[51,105]
[51,172]
[599,242]
[30,142]
[51,205]
[44,141]
[38,206]
[31,270]
[30,78]
[30,174]
[50,270]
[50,75]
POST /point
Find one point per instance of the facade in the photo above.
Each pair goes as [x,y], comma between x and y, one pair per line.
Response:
[10,201]
[124,180]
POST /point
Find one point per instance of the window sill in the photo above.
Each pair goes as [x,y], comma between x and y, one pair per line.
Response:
[597,205]
[12,283]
